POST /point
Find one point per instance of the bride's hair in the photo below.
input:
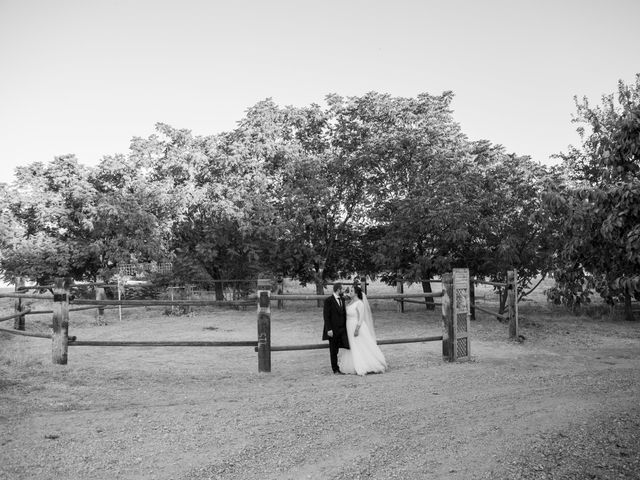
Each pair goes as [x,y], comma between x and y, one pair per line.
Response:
[357,289]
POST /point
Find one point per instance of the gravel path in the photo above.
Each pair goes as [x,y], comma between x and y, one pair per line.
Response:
[561,405]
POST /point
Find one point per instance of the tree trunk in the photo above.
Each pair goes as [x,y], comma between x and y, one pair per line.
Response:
[472,298]
[426,288]
[101,294]
[219,289]
[504,293]
[280,291]
[628,310]
[400,290]
[18,323]
[319,285]
[188,290]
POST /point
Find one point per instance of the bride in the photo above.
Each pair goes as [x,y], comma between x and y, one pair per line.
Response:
[363,356]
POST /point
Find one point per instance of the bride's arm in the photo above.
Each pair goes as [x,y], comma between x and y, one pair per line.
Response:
[359,322]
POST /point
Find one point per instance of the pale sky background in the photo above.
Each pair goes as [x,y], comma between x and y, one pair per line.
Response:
[84,76]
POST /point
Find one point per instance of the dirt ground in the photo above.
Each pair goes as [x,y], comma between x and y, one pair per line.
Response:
[564,404]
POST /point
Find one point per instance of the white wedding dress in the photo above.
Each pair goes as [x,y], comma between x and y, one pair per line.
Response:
[363,356]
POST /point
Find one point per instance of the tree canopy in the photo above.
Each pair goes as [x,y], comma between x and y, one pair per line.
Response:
[373,184]
[598,198]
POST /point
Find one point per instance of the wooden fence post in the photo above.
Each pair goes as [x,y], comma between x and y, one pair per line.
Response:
[18,322]
[456,343]
[472,298]
[512,300]
[264,325]
[363,280]
[60,337]
[400,289]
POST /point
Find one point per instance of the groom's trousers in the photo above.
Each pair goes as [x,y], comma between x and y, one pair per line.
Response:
[334,346]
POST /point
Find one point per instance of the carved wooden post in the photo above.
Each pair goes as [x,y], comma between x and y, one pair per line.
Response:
[18,322]
[60,337]
[264,325]
[400,289]
[461,311]
[455,315]
[512,300]
[447,317]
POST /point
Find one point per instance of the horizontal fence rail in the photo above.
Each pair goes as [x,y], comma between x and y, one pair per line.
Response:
[76,285]
[160,343]
[154,303]
[78,309]
[24,295]
[14,316]
[486,282]
[421,302]
[319,346]
[381,296]
[436,338]
[22,333]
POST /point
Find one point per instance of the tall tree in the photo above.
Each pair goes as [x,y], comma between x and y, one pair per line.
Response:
[319,206]
[135,211]
[348,160]
[465,204]
[421,215]
[53,207]
[511,228]
[600,202]
[72,220]
[220,187]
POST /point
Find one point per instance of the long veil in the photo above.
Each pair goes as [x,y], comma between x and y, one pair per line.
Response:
[368,317]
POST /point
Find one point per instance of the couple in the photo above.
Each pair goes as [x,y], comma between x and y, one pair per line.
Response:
[349,329]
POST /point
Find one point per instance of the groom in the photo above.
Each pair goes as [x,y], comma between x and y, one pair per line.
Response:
[335,325]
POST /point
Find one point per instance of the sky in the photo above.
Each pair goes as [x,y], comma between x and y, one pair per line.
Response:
[84,77]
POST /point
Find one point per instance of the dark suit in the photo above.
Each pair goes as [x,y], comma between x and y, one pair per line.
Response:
[335,319]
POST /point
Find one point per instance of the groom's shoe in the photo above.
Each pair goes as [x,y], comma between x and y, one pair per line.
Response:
[337,372]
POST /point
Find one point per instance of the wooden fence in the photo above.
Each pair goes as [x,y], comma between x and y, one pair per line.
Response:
[455,320]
